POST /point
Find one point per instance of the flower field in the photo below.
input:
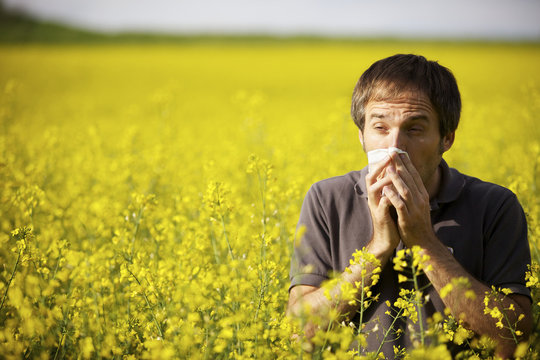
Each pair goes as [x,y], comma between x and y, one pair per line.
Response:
[149,194]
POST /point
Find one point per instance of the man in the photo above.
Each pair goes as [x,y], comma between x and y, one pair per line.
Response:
[468,228]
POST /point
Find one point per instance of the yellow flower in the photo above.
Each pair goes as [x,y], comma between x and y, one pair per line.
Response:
[446,290]
[87,348]
[470,294]
[506,291]
[181,205]
[495,313]
[521,350]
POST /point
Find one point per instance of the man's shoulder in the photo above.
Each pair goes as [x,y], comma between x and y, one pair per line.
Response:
[341,184]
[472,192]
[479,189]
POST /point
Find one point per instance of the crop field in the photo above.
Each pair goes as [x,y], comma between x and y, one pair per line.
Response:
[149,194]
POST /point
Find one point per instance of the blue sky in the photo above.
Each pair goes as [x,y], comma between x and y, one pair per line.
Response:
[488,19]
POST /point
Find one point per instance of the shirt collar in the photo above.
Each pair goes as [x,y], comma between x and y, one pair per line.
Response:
[360,186]
[452,183]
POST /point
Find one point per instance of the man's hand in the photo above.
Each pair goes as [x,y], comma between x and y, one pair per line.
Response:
[409,196]
[385,232]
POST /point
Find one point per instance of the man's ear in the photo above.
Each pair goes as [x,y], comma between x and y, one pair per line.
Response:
[448,140]
[361,137]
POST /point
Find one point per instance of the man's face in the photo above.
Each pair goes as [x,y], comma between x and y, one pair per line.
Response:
[409,123]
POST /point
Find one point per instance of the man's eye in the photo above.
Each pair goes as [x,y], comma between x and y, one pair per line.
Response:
[416,130]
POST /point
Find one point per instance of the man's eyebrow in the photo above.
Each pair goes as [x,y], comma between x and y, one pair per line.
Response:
[412,117]
[377,115]
[418,117]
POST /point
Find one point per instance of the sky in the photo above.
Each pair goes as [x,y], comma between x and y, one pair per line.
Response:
[481,19]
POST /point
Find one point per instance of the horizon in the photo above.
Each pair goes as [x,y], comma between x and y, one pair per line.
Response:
[504,20]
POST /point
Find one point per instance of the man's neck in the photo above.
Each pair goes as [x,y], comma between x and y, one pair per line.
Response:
[434,184]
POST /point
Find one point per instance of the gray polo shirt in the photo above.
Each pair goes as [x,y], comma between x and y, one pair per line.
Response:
[482,223]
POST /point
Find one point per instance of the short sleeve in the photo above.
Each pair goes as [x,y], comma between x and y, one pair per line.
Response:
[507,252]
[311,259]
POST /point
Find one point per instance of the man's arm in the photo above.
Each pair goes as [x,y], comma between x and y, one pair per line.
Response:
[411,201]
[385,239]
[320,305]
[471,309]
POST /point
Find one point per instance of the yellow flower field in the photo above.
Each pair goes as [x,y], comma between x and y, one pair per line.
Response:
[150,193]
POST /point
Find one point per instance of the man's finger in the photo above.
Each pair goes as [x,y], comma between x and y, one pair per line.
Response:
[397,201]
[401,185]
[405,173]
[375,191]
[376,170]
[411,169]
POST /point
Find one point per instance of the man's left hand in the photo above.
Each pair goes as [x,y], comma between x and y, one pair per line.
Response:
[411,200]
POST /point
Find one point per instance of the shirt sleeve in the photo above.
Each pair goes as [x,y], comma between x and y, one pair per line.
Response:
[311,259]
[507,252]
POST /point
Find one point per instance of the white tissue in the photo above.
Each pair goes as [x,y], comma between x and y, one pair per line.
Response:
[374,156]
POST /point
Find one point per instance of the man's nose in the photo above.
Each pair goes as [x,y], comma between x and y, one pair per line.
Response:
[397,139]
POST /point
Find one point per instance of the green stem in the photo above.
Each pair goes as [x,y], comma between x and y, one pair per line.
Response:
[512,330]
[418,307]
[361,321]
[328,328]
[226,237]
[262,190]
[60,344]
[214,245]
[388,332]
[11,279]
[137,224]
[148,304]
[57,264]
[264,284]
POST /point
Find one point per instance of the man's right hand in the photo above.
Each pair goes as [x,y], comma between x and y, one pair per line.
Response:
[385,233]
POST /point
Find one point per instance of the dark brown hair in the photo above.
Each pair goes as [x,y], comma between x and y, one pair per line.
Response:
[389,77]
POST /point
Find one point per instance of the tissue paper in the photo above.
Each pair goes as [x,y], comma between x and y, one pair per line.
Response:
[374,156]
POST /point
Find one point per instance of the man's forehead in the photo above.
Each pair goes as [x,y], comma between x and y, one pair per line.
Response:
[391,92]
[412,101]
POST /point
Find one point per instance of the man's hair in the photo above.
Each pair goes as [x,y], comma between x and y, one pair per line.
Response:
[386,79]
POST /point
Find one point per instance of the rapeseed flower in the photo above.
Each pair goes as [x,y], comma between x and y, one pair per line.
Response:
[152,212]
